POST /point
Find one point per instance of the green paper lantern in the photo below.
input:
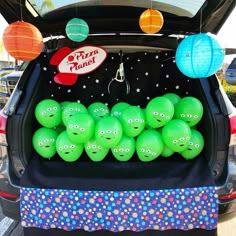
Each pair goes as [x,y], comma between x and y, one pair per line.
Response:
[149,145]
[44,142]
[48,113]
[159,111]
[66,149]
[98,110]
[108,132]
[124,149]
[95,151]
[132,120]
[80,128]
[77,30]
[176,135]
[190,110]
[195,145]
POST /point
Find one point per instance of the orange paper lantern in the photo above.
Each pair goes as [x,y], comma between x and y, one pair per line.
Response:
[151,21]
[22,40]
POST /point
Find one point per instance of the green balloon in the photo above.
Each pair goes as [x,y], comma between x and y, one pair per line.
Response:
[64,104]
[44,142]
[174,98]
[66,149]
[108,132]
[80,128]
[195,145]
[125,149]
[159,111]
[132,120]
[71,109]
[167,152]
[95,151]
[48,113]
[176,135]
[149,145]
[98,110]
[190,110]
[117,109]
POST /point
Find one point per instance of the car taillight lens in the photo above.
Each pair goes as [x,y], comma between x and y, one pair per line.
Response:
[3,122]
[232,121]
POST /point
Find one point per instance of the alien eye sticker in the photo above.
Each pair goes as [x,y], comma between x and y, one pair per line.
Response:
[165,126]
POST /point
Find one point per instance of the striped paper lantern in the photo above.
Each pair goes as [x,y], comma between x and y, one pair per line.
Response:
[22,40]
[151,21]
[77,30]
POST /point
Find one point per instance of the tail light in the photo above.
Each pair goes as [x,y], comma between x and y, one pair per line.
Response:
[3,122]
[232,121]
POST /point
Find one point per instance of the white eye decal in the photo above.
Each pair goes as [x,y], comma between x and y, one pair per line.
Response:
[162,115]
[82,129]
[142,121]
[108,131]
[60,148]
[116,113]
[187,138]
[71,109]
[40,143]
[195,116]
[44,113]
[94,146]
[76,126]
[182,115]
[46,140]
[96,110]
[121,149]
[130,121]
[49,109]
[142,150]
[153,153]
[197,145]
[175,141]
[65,146]
[71,126]
[72,146]
[99,147]
[88,147]
[167,117]
[148,151]
[115,150]
[77,109]
[52,139]
[189,115]
[115,132]
[190,143]
[102,132]
[127,150]
[136,120]
[55,108]
[155,113]
[102,109]
[181,139]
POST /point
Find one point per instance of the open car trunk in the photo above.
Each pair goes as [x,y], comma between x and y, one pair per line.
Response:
[133,195]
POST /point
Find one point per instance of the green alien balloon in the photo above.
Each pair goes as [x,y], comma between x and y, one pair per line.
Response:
[167,152]
[149,145]
[44,142]
[71,109]
[125,149]
[190,110]
[195,145]
[95,151]
[117,109]
[176,135]
[108,132]
[66,149]
[48,113]
[132,120]
[64,104]
[80,128]
[98,110]
[159,111]
[173,97]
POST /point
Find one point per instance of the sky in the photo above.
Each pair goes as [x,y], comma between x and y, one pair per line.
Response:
[227,35]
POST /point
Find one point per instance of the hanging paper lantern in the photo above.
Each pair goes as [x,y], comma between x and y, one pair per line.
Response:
[77,30]
[199,56]
[151,21]
[23,41]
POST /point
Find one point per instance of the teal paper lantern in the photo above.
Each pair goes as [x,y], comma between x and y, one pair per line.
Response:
[77,30]
[199,56]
